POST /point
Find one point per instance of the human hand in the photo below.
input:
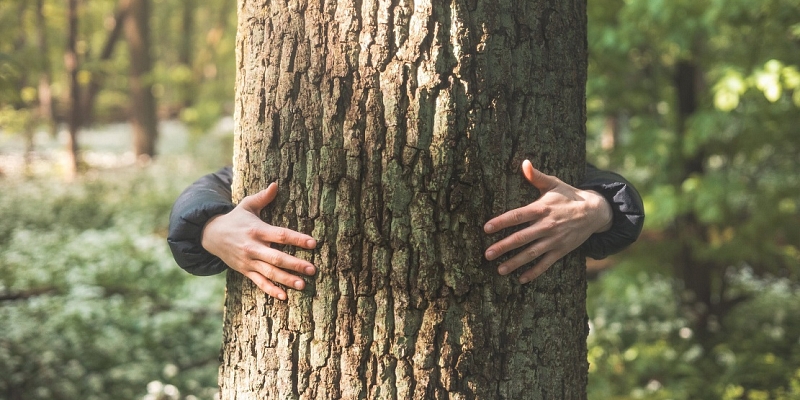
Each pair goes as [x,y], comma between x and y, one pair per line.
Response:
[559,221]
[242,240]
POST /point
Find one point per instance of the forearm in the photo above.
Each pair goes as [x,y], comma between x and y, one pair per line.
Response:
[626,207]
[206,198]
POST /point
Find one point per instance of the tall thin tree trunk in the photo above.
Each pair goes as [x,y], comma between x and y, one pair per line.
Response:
[696,274]
[395,130]
[113,37]
[186,51]
[28,128]
[143,104]
[45,92]
[207,54]
[71,62]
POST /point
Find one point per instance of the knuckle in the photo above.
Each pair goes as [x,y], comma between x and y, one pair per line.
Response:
[532,252]
[252,231]
[272,258]
[299,266]
[282,235]
[249,249]
[269,273]
[519,237]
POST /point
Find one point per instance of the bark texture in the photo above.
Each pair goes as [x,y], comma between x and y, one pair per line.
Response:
[395,129]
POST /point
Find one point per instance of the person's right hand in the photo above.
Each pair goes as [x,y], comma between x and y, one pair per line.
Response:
[242,241]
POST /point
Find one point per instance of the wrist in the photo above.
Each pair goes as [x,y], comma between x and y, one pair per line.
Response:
[206,236]
[600,211]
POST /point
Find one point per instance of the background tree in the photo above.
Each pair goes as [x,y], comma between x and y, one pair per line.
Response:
[395,132]
[143,104]
[694,107]
[34,73]
[697,101]
[71,61]
[71,254]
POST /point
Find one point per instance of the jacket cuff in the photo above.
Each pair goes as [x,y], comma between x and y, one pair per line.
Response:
[627,222]
[186,231]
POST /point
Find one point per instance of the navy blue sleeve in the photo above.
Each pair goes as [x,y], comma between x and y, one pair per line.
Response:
[209,196]
[627,207]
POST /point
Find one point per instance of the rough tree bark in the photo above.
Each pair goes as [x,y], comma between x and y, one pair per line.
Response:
[143,104]
[395,130]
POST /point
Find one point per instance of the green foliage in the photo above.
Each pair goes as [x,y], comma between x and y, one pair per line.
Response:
[193,64]
[103,309]
[729,163]
[642,347]
[696,101]
[91,301]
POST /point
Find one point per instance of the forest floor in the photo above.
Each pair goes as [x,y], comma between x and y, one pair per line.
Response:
[108,146]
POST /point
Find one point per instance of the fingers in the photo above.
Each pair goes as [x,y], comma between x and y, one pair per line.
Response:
[525,256]
[277,275]
[543,265]
[275,234]
[542,250]
[537,178]
[266,285]
[281,261]
[265,274]
[515,217]
[532,211]
[267,267]
[557,226]
[254,203]
[514,241]
[272,234]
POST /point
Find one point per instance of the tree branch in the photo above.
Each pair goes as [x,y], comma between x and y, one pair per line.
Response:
[26,294]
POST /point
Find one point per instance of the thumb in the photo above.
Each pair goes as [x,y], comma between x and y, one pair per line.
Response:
[254,203]
[537,178]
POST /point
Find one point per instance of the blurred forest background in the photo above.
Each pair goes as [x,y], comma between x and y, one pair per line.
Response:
[109,108]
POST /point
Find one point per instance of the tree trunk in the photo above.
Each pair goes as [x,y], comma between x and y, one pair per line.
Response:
[185,51]
[395,130]
[143,103]
[93,88]
[45,92]
[71,63]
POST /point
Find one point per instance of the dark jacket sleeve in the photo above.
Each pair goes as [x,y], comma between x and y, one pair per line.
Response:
[627,207]
[211,195]
[207,197]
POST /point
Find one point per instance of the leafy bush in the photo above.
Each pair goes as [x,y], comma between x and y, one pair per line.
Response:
[92,304]
[642,347]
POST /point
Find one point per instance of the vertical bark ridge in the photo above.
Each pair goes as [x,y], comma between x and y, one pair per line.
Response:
[395,128]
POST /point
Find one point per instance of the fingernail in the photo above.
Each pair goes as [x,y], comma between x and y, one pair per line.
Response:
[281,296]
[502,270]
[298,285]
[311,243]
[310,270]
[490,254]
[523,280]
[489,228]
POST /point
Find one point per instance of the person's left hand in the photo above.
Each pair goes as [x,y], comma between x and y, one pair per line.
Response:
[559,221]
